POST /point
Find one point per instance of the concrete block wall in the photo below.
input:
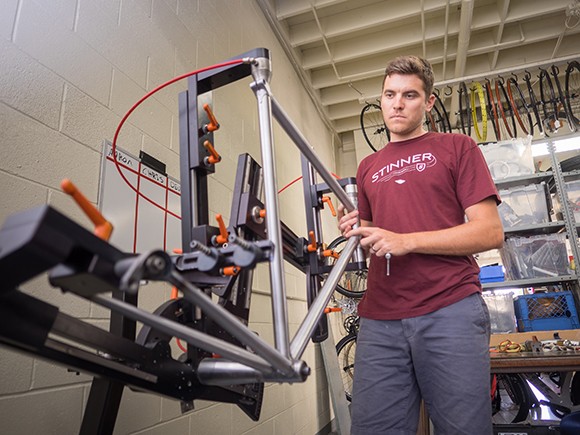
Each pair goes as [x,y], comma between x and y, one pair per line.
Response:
[69,70]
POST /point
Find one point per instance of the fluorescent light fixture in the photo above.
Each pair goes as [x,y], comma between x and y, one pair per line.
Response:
[569,144]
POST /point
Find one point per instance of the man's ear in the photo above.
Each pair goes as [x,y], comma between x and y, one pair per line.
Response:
[430,102]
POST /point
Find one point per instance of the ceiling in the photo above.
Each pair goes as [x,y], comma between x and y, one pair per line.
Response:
[340,48]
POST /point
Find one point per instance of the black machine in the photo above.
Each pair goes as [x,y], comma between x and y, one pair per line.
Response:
[225,361]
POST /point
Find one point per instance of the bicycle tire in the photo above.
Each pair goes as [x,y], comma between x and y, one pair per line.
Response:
[562,99]
[534,103]
[492,110]
[477,90]
[548,102]
[518,392]
[519,106]
[444,123]
[464,110]
[373,126]
[504,106]
[353,283]
[345,351]
[572,85]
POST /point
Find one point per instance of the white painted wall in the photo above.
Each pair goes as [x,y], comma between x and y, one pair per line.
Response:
[69,70]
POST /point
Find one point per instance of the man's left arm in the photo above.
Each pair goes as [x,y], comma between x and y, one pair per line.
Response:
[482,231]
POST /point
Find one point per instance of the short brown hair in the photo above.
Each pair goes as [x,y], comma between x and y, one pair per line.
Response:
[407,65]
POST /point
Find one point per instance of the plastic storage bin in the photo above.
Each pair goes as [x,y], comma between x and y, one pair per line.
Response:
[524,205]
[510,158]
[573,189]
[501,312]
[535,256]
[491,274]
[546,311]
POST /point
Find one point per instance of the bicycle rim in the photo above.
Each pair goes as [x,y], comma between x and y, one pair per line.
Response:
[464,110]
[430,121]
[345,351]
[573,92]
[534,104]
[505,110]
[353,283]
[562,100]
[492,110]
[548,102]
[519,106]
[373,126]
[477,90]
[445,124]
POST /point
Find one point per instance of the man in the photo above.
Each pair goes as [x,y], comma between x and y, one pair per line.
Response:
[427,202]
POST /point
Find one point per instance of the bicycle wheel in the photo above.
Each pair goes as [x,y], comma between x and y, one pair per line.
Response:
[549,103]
[373,126]
[346,350]
[573,92]
[505,110]
[464,110]
[513,402]
[353,283]
[562,106]
[534,103]
[444,125]
[519,106]
[477,91]
[492,110]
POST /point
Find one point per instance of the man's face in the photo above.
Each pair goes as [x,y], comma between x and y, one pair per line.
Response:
[404,104]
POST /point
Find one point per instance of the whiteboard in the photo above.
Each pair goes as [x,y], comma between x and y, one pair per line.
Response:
[144,208]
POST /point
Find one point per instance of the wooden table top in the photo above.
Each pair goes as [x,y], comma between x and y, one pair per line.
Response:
[522,362]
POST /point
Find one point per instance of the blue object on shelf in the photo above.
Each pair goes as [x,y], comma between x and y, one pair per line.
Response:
[546,312]
[491,274]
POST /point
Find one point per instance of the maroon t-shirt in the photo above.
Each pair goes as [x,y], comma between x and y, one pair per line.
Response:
[421,184]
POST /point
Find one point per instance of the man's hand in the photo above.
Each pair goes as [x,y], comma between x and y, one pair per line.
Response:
[381,242]
[346,221]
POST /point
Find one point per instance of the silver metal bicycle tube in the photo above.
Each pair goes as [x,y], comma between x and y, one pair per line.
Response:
[196,338]
[261,73]
[317,307]
[231,324]
[301,142]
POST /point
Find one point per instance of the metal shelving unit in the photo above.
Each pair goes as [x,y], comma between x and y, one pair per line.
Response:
[567,224]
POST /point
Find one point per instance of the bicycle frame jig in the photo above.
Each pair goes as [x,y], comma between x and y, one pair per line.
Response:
[41,239]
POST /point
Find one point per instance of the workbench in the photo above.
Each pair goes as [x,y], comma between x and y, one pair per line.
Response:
[522,362]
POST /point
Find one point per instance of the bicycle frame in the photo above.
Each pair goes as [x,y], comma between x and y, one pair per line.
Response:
[42,239]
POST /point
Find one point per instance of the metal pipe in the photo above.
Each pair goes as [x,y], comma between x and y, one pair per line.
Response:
[196,338]
[231,323]
[317,307]
[212,371]
[301,142]
[279,306]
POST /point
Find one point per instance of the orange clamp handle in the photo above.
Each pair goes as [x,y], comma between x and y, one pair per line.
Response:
[231,270]
[223,236]
[329,202]
[332,310]
[214,157]
[330,253]
[262,213]
[312,247]
[103,228]
[213,124]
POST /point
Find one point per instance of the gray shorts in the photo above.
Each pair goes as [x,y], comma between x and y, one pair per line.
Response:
[441,357]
